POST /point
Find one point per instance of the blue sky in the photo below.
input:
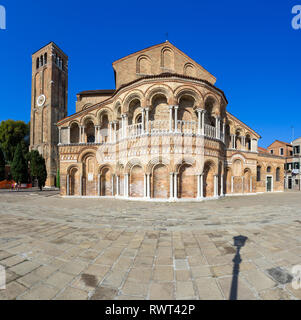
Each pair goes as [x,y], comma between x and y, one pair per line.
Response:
[250,47]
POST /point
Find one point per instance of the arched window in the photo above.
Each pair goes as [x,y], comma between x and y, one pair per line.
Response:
[269,169]
[258,177]
[38,63]
[248,142]
[139,118]
[45,58]
[42,60]
[278,174]
[90,132]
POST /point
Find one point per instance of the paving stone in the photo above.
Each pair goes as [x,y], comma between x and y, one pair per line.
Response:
[40,292]
[259,280]
[140,274]
[182,275]
[163,273]
[59,279]
[275,294]
[72,294]
[24,268]
[184,290]
[12,291]
[134,288]
[208,289]
[74,267]
[161,291]
[12,261]
[104,293]
[243,292]
[201,271]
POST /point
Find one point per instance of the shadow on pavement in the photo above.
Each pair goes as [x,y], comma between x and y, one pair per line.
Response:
[239,242]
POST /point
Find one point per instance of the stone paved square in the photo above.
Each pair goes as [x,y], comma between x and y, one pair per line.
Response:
[64,249]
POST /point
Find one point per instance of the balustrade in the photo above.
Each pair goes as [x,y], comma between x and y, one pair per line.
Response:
[157,127]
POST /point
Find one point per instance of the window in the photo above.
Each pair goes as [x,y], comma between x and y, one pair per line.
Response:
[281,151]
[258,177]
[91,139]
[291,152]
[269,169]
[278,174]
[296,149]
[38,63]
[271,151]
[45,58]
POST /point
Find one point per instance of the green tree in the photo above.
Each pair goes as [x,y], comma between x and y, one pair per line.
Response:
[58,179]
[2,166]
[37,167]
[11,134]
[19,168]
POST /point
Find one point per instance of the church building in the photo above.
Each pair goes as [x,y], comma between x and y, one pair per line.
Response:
[164,132]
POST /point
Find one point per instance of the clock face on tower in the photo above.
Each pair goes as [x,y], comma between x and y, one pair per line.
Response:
[41,100]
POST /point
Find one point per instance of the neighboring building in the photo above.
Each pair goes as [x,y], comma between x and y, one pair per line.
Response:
[48,104]
[280,148]
[285,150]
[163,133]
[296,165]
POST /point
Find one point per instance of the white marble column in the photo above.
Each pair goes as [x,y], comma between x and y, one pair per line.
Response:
[243,142]
[243,184]
[176,118]
[145,186]
[115,131]
[222,185]
[251,184]
[198,186]
[215,185]
[171,187]
[69,132]
[148,183]
[170,118]
[98,185]
[68,185]
[126,185]
[199,121]
[125,125]
[147,120]
[224,132]
[203,122]
[217,127]
[80,134]
[110,132]
[117,186]
[202,186]
[113,185]
[233,142]
[60,136]
[175,192]
[143,121]
[81,185]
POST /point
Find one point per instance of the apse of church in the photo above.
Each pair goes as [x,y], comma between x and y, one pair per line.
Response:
[164,133]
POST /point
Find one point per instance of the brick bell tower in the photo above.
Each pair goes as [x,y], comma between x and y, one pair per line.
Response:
[48,104]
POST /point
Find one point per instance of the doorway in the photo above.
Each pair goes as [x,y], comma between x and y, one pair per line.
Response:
[269,184]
